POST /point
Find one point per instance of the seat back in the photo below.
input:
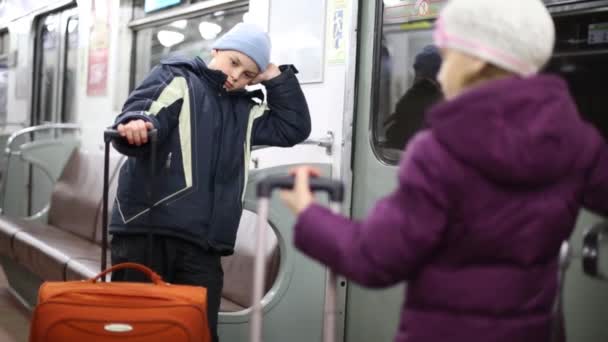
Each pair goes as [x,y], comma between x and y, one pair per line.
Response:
[238,268]
[115,165]
[78,193]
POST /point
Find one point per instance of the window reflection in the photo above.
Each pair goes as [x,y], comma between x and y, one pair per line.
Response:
[4,50]
[49,62]
[408,115]
[185,37]
[406,84]
[407,88]
[71,72]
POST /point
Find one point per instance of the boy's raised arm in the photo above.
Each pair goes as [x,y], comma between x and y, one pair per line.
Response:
[286,120]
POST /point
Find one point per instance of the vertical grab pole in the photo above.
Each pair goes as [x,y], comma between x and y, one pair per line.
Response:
[104,217]
[259,271]
[330,305]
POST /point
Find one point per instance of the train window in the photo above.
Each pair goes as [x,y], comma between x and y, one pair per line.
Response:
[56,67]
[188,37]
[142,8]
[406,81]
[71,71]
[49,62]
[580,58]
[4,50]
[4,43]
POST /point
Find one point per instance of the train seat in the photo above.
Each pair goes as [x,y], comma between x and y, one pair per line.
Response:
[68,247]
[45,249]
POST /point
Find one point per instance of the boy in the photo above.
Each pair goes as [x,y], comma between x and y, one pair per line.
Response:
[183,217]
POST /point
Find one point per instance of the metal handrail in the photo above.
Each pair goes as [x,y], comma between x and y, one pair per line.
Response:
[47,207]
[33,129]
[327,142]
[8,150]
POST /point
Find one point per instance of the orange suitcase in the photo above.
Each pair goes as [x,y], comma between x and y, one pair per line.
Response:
[91,311]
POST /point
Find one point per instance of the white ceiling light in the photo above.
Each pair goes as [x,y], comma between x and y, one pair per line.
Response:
[169,38]
[247,17]
[209,30]
[72,25]
[180,24]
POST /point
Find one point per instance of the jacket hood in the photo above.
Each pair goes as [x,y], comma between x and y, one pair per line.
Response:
[516,130]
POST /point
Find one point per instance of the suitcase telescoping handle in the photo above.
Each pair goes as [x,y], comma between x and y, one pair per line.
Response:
[335,189]
[265,187]
[108,136]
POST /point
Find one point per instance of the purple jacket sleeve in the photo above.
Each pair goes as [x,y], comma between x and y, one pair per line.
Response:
[402,230]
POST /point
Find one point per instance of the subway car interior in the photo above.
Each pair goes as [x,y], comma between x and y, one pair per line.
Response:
[67,67]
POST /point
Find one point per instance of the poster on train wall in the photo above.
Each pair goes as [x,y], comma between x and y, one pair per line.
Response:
[401,11]
[337,31]
[97,80]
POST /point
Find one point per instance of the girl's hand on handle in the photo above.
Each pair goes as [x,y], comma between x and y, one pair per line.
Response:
[300,197]
[135,131]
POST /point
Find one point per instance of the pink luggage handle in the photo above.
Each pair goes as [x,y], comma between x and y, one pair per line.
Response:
[335,189]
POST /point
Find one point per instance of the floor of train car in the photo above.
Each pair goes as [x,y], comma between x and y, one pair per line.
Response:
[14,318]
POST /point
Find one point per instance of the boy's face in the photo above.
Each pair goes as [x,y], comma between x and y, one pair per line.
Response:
[239,68]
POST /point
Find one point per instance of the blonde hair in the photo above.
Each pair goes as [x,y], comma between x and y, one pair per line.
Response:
[489,72]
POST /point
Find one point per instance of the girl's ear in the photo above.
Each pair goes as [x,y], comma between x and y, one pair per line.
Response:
[474,68]
[214,52]
[474,71]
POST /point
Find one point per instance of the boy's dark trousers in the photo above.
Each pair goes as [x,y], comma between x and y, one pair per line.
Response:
[177,261]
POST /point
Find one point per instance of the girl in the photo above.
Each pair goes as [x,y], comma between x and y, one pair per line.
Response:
[486,194]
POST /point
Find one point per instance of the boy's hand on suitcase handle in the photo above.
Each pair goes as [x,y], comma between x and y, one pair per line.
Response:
[135,131]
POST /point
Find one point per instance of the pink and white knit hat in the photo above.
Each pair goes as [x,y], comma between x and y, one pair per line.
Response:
[516,35]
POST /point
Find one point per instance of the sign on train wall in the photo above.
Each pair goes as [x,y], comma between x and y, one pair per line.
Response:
[399,11]
[97,79]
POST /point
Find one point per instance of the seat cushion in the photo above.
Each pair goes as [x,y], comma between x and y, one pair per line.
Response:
[45,250]
[227,305]
[8,228]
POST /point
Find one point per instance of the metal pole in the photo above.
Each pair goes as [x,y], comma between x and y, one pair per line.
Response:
[259,271]
[331,284]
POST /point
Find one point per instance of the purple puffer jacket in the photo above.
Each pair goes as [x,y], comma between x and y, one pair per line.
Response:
[485,198]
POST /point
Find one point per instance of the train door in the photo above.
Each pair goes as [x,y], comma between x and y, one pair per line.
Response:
[56,68]
[580,58]
[393,36]
[55,91]
[47,46]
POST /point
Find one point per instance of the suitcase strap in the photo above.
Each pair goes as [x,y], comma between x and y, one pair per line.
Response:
[155,278]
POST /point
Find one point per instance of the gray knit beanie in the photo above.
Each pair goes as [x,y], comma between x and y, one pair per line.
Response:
[249,39]
[516,35]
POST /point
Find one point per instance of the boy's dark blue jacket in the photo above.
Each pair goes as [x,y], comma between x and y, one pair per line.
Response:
[204,140]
